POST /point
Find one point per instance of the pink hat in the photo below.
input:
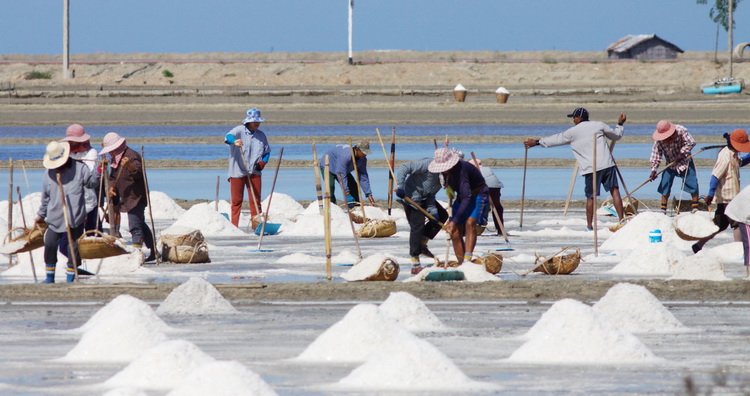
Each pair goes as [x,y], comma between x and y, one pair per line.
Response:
[739,140]
[111,141]
[75,133]
[664,129]
[444,160]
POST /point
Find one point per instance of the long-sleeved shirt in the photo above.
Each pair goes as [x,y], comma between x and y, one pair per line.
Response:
[581,141]
[418,182]
[340,162]
[727,171]
[680,147]
[89,159]
[739,208]
[75,178]
[129,185]
[467,182]
[254,148]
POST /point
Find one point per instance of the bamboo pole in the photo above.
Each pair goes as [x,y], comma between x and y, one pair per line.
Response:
[26,177]
[351,222]
[356,177]
[23,218]
[150,211]
[495,214]
[327,217]
[593,193]
[523,184]
[270,196]
[570,189]
[10,205]
[216,203]
[252,191]
[71,246]
[391,162]
[316,168]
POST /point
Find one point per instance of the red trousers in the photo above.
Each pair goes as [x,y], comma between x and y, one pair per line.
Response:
[237,186]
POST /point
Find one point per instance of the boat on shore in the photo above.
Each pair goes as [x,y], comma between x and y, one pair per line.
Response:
[724,86]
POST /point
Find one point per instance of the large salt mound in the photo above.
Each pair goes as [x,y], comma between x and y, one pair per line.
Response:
[195,297]
[571,332]
[310,223]
[210,222]
[220,379]
[635,233]
[282,207]
[126,391]
[635,309]
[413,365]
[161,367]
[367,267]
[704,266]
[119,332]
[164,207]
[649,259]
[410,312]
[355,337]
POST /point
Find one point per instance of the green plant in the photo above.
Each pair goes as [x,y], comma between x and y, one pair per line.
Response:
[230,75]
[37,75]
[549,60]
[166,73]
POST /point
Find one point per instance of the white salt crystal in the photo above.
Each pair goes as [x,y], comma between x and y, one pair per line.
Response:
[705,265]
[695,225]
[635,309]
[195,297]
[410,312]
[502,90]
[210,222]
[649,259]
[222,379]
[164,207]
[635,233]
[459,87]
[367,267]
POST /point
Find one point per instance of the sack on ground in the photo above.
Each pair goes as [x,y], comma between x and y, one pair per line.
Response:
[184,245]
[388,271]
[377,229]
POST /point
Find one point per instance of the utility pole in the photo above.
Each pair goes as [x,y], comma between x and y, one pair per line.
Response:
[66,41]
[351,8]
[730,24]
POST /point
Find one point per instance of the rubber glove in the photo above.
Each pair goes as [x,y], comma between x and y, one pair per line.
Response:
[260,165]
[350,201]
[400,193]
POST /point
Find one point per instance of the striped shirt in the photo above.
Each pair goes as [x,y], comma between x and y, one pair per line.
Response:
[679,147]
[727,170]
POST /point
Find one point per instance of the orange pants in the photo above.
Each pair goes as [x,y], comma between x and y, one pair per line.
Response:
[237,186]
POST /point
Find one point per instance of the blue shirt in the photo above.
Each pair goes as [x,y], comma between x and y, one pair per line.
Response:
[340,162]
[254,148]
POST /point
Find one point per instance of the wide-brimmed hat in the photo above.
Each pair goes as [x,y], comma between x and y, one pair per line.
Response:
[111,141]
[75,133]
[444,160]
[56,155]
[664,129]
[738,139]
[364,147]
[253,115]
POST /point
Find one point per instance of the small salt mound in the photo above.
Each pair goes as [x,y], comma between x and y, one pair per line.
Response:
[367,267]
[552,232]
[472,273]
[126,391]
[164,207]
[122,264]
[459,87]
[210,222]
[704,266]
[414,365]
[298,258]
[162,367]
[410,312]
[649,259]
[355,337]
[635,309]
[563,221]
[635,233]
[571,332]
[283,207]
[696,225]
[729,253]
[372,212]
[195,297]
[119,332]
[222,378]
[310,223]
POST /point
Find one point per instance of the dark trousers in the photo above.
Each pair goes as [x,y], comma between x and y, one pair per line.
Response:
[139,230]
[88,225]
[334,180]
[495,197]
[420,229]
[52,242]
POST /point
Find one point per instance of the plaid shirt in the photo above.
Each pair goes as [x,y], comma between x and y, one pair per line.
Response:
[680,148]
[727,170]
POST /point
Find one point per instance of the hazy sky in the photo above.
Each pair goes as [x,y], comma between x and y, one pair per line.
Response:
[35,26]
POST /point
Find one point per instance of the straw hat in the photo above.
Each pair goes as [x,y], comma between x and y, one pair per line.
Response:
[56,155]
[664,129]
[739,140]
[253,115]
[75,133]
[111,141]
[444,160]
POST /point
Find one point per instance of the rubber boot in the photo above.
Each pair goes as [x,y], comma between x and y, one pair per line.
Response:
[50,270]
[70,275]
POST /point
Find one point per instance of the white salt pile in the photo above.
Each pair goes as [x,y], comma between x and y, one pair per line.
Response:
[635,309]
[23,268]
[162,367]
[459,87]
[410,312]
[649,259]
[414,365]
[472,273]
[119,332]
[697,225]
[211,223]
[703,266]
[729,253]
[355,337]
[126,391]
[571,332]
[310,223]
[195,297]
[367,267]
[222,379]
[122,264]
[502,90]
[282,207]
[372,212]
[164,207]
[345,257]
[635,233]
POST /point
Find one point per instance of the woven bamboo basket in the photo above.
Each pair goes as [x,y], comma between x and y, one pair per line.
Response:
[185,254]
[628,207]
[559,265]
[621,224]
[94,244]
[193,238]
[377,229]
[493,262]
[33,237]
[388,271]
[356,216]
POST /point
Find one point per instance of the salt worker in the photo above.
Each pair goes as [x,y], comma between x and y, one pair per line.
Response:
[75,178]
[725,182]
[128,188]
[249,152]
[340,163]
[581,140]
[415,181]
[674,143]
[472,200]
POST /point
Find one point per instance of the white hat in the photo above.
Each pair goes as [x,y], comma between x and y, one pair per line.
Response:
[57,154]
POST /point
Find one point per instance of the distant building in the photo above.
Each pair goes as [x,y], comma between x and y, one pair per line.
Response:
[642,47]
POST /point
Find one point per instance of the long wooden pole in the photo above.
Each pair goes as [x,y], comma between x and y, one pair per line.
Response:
[674,162]
[101,187]
[327,217]
[351,222]
[270,196]
[593,193]
[150,211]
[391,162]
[252,190]
[570,189]
[523,185]
[110,207]
[23,218]
[356,177]
[26,177]
[316,168]
[216,203]
[71,249]
[10,205]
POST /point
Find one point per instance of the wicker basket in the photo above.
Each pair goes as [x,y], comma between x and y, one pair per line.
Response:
[356,217]
[493,262]
[377,229]
[682,234]
[388,271]
[629,208]
[94,244]
[193,238]
[185,254]
[33,237]
[559,265]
